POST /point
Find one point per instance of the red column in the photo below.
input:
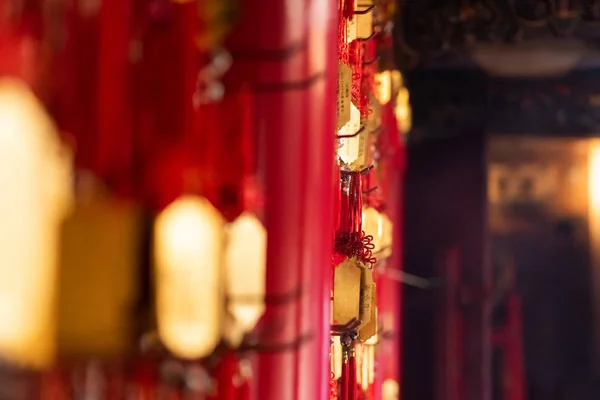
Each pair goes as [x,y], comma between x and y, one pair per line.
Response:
[284,65]
[314,377]
[390,290]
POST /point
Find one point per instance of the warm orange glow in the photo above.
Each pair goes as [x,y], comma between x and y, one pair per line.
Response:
[373,224]
[245,266]
[35,174]
[387,239]
[594,226]
[403,111]
[188,250]
[367,372]
[383,82]
[391,390]
[337,357]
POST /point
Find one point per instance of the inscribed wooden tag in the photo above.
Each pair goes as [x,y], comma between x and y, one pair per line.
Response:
[366,284]
[346,291]
[370,329]
[344,93]
[364,25]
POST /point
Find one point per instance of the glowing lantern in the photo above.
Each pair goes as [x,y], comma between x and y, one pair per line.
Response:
[373,225]
[387,239]
[353,151]
[383,82]
[403,111]
[245,266]
[36,177]
[368,363]
[188,250]
[390,390]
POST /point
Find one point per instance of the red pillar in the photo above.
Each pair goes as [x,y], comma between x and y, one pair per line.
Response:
[287,64]
[390,290]
[318,201]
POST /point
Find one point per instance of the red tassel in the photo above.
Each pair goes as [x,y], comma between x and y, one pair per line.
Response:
[352,383]
[345,380]
[348,9]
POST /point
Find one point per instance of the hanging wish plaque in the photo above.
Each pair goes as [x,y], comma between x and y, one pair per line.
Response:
[344,93]
[364,24]
[347,291]
[366,284]
[370,329]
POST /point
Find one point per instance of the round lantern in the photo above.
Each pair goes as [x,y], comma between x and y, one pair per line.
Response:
[245,269]
[35,174]
[188,257]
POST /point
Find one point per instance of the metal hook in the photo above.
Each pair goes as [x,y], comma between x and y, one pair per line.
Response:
[355,134]
[366,10]
[367,170]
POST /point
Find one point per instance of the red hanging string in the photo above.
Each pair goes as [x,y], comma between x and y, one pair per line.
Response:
[351,240]
[347,8]
[343,48]
[359,92]
[345,380]
[352,384]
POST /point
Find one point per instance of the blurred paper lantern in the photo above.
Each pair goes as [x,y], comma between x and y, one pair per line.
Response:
[368,363]
[245,268]
[383,82]
[188,250]
[390,390]
[403,111]
[387,239]
[373,225]
[36,179]
[100,246]
[353,149]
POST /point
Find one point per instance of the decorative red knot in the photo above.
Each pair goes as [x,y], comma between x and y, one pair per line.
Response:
[353,244]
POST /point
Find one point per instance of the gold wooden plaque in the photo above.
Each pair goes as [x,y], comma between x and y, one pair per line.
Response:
[346,291]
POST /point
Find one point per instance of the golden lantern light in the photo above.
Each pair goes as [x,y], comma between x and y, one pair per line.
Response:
[36,178]
[245,269]
[403,110]
[188,249]
[390,390]
[387,238]
[373,224]
[383,85]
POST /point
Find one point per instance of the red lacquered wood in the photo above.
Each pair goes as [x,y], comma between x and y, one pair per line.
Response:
[389,290]
[280,117]
[318,200]
[113,149]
